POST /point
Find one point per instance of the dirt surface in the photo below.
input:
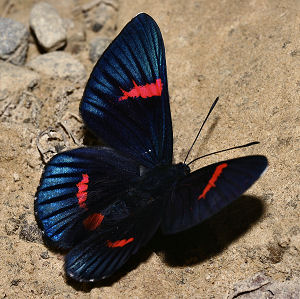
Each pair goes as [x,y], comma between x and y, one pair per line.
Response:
[246,52]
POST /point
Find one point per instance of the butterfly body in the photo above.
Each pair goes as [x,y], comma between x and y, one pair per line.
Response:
[105,203]
[160,179]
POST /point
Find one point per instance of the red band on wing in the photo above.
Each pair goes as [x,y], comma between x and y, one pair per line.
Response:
[143,91]
[119,243]
[82,188]
[93,221]
[211,182]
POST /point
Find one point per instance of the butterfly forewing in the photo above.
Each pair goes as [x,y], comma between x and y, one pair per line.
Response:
[206,191]
[127,92]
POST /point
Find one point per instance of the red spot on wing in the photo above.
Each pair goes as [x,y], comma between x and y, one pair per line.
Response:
[93,221]
[82,190]
[143,91]
[212,181]
[119,243]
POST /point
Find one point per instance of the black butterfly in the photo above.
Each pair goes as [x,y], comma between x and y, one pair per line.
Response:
[105,203]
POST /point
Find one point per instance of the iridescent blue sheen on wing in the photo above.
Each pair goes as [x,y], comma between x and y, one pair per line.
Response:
[208,190]
[58,207]
[139,127]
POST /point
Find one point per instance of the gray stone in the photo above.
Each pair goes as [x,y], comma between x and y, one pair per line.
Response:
[104,18]
[15,78]
[76,36]
[261,286]
[48,26]
[75,31]
[97,47]
[58,65]
[13,41]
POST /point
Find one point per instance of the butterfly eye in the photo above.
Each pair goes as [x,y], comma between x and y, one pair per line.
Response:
[186,169]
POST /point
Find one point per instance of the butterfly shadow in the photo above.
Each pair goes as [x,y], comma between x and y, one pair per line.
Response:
[212,236]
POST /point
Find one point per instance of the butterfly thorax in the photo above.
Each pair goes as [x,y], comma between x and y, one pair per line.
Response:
[160,179]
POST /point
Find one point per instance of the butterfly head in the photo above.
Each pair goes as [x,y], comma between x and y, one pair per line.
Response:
[184,168]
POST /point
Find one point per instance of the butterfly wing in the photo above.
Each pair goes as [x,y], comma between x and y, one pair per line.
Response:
[76,189]
[126,100]
[102,254]
[206,191]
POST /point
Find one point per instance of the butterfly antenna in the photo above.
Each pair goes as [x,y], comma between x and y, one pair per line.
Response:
[225,150]
[209,112]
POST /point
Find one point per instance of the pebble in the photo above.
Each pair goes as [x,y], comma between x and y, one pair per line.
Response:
[22,78]
[75,31]
[104,17]
[11,226]
[97,47]
[47,26]
[13,41]
[58,65]
[31,233]
[76,36]
[16,177]
[45,255]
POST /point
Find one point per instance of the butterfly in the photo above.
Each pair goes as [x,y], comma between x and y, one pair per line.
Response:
[104,203]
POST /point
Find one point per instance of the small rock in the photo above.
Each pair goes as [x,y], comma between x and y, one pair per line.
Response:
[47,26]
[16,177]
[31,233]
[104,18]
[76,36]
[22,78]
[15,282]
[45,255]
[50,142]
[77,33]
[97,47]
[11,226]
[58,65]
[13,41]
[284,242]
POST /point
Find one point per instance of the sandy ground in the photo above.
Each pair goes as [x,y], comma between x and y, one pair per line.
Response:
[246,52]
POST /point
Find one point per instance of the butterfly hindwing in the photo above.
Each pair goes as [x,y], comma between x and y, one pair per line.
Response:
[126,101]
[206,191]
[102,254]
[75,188]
